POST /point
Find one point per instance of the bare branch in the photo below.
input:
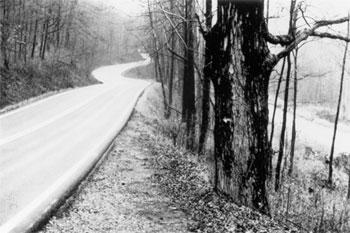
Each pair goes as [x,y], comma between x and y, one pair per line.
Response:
[330,36]
[303,15]
[201,29]
[322,23]
[172,24]
[306,33]
[279,39]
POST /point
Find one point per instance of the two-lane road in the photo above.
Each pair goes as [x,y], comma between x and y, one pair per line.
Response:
[47,147]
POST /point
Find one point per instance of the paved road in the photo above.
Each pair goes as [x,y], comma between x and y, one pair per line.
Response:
[315,133]
[46,147]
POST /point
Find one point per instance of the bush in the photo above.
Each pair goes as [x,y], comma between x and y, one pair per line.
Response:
[37,77]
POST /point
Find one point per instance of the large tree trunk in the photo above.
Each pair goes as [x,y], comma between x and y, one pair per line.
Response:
[241,78]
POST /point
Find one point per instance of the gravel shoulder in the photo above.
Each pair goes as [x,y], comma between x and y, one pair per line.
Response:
[122,194]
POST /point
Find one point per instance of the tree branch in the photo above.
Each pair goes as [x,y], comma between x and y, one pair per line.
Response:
[330,36]
[306,33]
[279,39]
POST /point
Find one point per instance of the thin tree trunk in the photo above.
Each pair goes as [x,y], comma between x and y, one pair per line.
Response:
[45,44]
[5,34]
[295,96]
[42,42]
[283,130]
[348,197]
[274,113]
[172,68]
[34,38]
[275,102]
[171,78]
[158,68]
[188,94]
[330,173]
[207,74]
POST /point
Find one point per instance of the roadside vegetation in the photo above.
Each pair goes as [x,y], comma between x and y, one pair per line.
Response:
[48,46]
[218,114]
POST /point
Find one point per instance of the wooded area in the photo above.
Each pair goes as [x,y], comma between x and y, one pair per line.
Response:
[227,66]
[56,44]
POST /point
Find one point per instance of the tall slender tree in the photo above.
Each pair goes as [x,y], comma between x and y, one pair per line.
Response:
[189,93]
[207,74]
[331,155]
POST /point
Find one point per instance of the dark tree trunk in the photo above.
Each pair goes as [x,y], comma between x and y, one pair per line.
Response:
[274,113]
[172,69]
[188,98]
[276,100]
[241,78]
[283,129]
[34,38]
[45,41]
[5,34]
[42,42]
[171,78]
[294,126]
[207,74]
[348,197]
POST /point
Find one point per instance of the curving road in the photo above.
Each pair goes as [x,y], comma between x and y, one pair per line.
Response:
[47,147]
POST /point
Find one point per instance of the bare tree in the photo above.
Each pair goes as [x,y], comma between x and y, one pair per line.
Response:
[207,74]
[189,93]
[284,124]
[295,96]
[331,155]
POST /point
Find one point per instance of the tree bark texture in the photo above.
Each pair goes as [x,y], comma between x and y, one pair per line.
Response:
[189,93]
[207,74]
[240,79]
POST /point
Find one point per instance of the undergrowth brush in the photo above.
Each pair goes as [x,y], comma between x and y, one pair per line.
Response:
[303,204]
[307,201]
[38,77]
[185,180]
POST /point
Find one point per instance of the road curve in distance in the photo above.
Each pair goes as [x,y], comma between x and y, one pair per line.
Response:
[46,148]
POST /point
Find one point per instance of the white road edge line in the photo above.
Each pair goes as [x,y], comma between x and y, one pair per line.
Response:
[26,212]
[94,154]
[35,103]
[45,123]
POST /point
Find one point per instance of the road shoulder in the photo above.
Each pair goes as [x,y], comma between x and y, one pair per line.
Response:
[122,194]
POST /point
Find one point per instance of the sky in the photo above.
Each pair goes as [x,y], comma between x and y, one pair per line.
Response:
[315,10]
[129,7]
